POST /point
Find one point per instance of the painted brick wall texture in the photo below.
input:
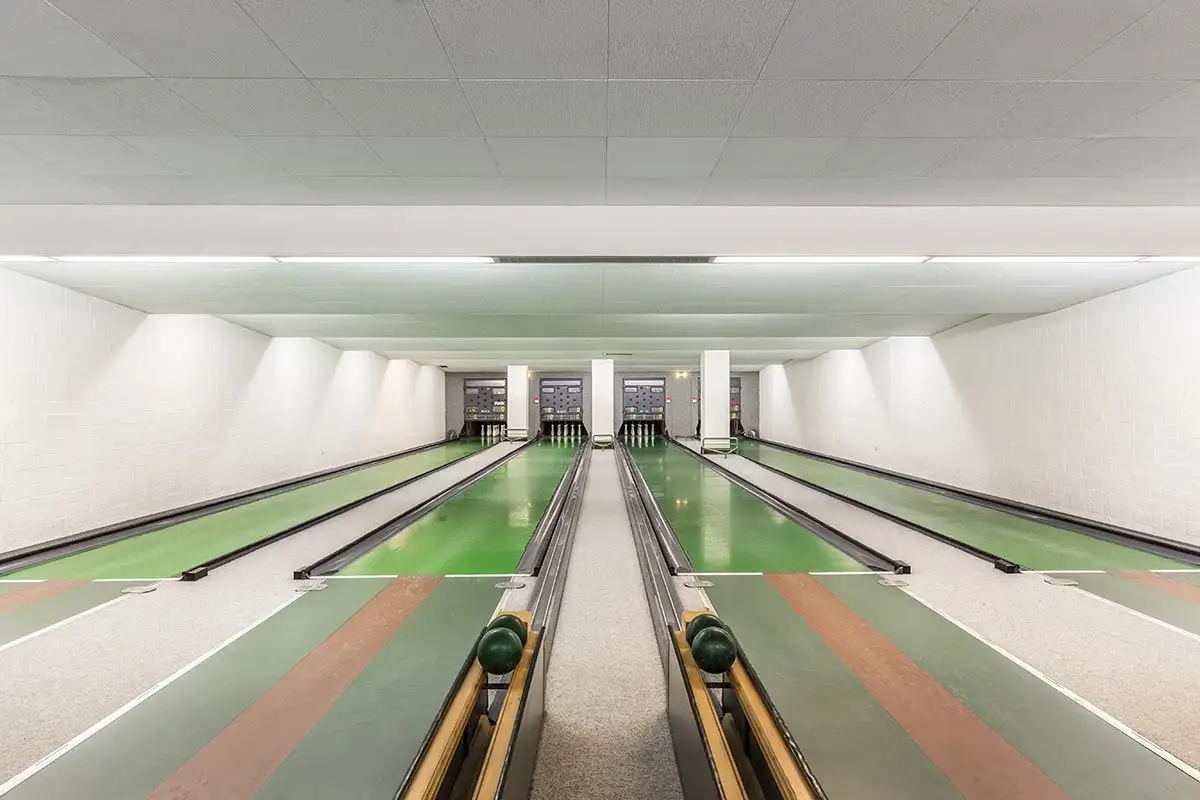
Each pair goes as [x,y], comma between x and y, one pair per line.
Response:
[107,413]
[1094,409]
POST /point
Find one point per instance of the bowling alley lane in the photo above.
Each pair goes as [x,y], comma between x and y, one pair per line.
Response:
[483,529]
[724,528]
[887,698]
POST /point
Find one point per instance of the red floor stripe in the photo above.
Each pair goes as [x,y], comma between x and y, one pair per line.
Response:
[1162,583]
[34,592]
[980,763]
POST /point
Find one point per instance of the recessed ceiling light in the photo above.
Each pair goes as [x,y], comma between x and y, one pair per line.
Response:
[1033,259]
[170,259]
[1176,259]
[24,259]
[387,259]
[820,259]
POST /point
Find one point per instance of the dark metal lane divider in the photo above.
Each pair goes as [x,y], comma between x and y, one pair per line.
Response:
[32,555]
[354,550]
[999,562]
[459,756]
[706,751]
[1128,537]
[863,553]
[201,570]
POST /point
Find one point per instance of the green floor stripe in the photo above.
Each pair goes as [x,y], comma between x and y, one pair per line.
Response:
[1176,611]
[363,747]
[132,756]
[856,749]
[1088,758]
[26,620]
[724,528]
[484,529]
[1031,544]
[171,550]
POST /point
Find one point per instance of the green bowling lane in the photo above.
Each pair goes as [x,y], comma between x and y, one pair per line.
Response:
[868,681]
[724,528]
[1031,544]
[316,702]
[169,551]
[483,529]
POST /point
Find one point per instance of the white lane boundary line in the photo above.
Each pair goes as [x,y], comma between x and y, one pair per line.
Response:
[62,622]
[1065,571]
[353,577]
[63,749]
[1115,723]
[1175,570]
[1139,614]
[133,580]
[716,574]
[853,572]
[22,580]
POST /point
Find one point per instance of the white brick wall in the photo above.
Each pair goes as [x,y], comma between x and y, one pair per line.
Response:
[107,413]
[1094,409]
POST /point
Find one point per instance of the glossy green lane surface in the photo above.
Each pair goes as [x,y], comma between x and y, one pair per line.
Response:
[1160,605]
[18,622]
[1031,544]
[854,746]
[169,551]
[724,528]
[1085,756]
[481,530]
[137,752]
[364,745]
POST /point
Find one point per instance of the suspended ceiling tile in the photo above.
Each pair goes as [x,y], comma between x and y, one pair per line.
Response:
[524,38]
[652,192]
[888,157]
[121,106]
[999,158]
[1164,44]
[320,155]
[811,108]
[205,155]
[784,158]
[662,157]
[402,108]
[861,38]
[425,156]
[692,38]
[1028,38]
[1112,157]
[1081,108]
[183,38]
[675,108]
[1177,115]
[264,107]
[538,108]
[559,157]
[89,155]
[36,39]
[945,108]
[363,39]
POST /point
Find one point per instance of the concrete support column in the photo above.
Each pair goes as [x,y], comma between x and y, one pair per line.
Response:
[603,392]
[517,419]
[714,394]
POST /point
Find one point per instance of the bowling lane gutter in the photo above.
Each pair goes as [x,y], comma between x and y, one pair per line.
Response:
[531,559]
[1116,534]
[1005,565]
[42,552]
[352,551]
[203,569]
[859,551]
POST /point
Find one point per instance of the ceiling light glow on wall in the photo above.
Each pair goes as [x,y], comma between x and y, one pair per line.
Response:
[1034,259]
[167,259]
[820,259]
[24,259]
[386,259]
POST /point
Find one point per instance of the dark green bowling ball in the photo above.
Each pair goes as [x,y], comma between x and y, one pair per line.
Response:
[513,623]
[714,650]
[701,622]
[499,651]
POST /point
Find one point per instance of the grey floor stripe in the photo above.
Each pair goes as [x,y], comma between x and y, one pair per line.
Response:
[606,733]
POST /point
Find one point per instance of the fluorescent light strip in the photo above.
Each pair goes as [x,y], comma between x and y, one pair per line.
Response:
[1034,259]
[386,259]
[820,259]
[168,259]
[1174,259]
[24,259]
